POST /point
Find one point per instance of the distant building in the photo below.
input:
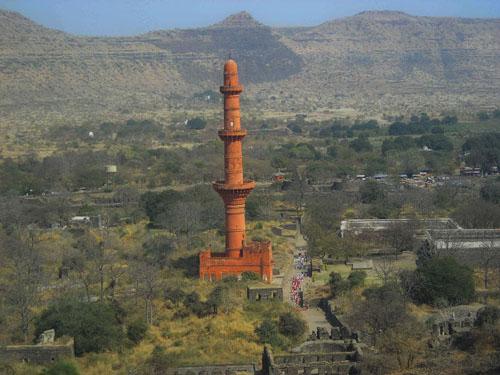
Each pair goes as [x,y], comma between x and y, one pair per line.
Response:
[451,240]
[362,226]
[470,172]
[86,221]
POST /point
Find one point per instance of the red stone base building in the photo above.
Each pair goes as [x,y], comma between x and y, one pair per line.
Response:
[239,256]
[255,257]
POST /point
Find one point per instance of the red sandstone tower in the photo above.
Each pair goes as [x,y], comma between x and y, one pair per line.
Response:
[234,189]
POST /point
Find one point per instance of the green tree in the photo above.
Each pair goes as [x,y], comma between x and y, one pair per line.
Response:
[96,327]
[295,127]
[490,191]
[136,331]
[337,284]
[487,316]
[361,144]
[157,249]
[371,191]
[356,279]
[331,151]
[196,123]
[193,303]
[291,325]
[443,278]
[482,150]
[483,116]
[437,142]
[160,361]
[268,333]
[400,143]
[222,299]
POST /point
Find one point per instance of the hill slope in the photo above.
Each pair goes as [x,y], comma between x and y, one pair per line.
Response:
[374,62]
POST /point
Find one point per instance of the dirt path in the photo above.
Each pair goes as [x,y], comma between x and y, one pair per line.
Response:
[314,316]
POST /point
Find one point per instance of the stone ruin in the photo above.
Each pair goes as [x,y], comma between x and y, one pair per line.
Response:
[214,370]
[46,351]
[335,351]
[264,293]
[47,337]
[323,355]
[451,321]
[337,322]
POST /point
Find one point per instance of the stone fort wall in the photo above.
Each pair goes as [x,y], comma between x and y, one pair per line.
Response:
[310,363]
[213,370]
[37,354]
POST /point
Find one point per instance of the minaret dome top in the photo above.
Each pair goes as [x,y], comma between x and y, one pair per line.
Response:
[230,67]
[231,75]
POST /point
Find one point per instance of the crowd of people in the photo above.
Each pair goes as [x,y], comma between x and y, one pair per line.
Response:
[295,294]
[300,262]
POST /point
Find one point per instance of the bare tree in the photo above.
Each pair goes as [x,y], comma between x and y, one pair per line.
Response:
[382,309]
[148,282]
[386,269]
[95,257]
[488,256]
[485,255]
[297,192]
[400,235]
[23,264]
[185,218]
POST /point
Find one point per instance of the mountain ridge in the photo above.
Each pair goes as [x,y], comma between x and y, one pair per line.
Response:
[245,18]
[372,62]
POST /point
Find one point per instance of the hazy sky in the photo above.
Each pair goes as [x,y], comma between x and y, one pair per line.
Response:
[128,17]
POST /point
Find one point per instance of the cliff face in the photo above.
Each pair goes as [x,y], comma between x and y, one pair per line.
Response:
[374,62]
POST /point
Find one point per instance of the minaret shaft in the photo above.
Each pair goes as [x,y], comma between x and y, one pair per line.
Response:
[239,257]
[234,189]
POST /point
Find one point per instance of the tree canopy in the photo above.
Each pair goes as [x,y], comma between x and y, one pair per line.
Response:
[96,327]
[443,279]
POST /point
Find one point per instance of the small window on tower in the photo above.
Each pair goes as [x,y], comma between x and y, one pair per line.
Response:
[231,123]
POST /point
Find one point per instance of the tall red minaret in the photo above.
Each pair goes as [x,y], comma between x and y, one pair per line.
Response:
[239,256]
[234,189]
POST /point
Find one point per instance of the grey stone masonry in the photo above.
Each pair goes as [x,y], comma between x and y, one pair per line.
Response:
[44,353]
[265,293]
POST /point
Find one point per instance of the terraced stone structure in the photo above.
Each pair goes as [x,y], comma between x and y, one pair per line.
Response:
[321,357]
[239,256]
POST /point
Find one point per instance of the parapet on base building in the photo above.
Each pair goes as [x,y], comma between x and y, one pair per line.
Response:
[239,256]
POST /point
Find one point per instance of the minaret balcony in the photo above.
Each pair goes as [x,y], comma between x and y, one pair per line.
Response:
[247,185]
[232,134]
[231,90]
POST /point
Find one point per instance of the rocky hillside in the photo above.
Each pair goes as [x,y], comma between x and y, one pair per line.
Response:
[373,62]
